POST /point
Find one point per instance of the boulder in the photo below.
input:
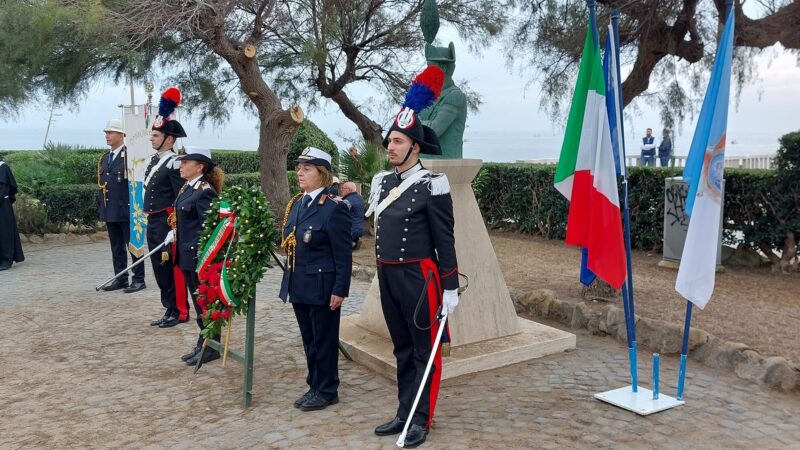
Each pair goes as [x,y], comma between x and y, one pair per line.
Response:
[36,239]
[745,257]
[581,314]
[55,237]
[780,373]
[538,302]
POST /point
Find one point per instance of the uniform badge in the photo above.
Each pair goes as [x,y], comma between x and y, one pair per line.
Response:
[159,122]
[307,236]
[405,118]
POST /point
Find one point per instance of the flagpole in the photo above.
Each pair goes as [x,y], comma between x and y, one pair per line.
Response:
[688,320]
[684,350]
[627,289]
[592,5]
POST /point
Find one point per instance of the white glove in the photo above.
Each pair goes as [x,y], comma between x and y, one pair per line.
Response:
[450,300]
[170,237]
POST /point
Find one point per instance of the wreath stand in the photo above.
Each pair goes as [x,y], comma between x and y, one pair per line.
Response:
[246,359]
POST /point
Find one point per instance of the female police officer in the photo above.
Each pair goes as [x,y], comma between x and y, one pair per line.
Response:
[316,239]
[203,182]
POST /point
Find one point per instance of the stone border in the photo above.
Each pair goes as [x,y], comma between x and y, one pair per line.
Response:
[663,337]
[63,238]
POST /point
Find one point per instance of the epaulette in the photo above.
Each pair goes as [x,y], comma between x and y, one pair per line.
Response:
[437,183]
[334,198]
[202,185]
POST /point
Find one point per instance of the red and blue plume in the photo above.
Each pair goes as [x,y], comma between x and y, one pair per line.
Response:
[170,99]
[425,89]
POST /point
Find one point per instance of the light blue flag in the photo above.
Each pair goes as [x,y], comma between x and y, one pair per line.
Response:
[704,174]
[613,100]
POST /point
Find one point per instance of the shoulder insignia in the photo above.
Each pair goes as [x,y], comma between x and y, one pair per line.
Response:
[437,183]
[334,198]
[322,199]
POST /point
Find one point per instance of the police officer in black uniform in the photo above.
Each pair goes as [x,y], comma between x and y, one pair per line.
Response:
[203,182]
[162,182]
[316,239]
[416,263]
[113,204]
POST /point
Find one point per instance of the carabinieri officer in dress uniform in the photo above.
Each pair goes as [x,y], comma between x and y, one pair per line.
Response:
[203,182]
[414,242]
[316,239]
[114,206]
[162,181]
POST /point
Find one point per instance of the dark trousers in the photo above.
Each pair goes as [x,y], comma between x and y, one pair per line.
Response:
[664,161]
[157,229]
[191,284]
[400,287]
[119,235]
[319,328]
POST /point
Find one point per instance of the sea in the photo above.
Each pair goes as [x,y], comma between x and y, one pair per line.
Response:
[488,145]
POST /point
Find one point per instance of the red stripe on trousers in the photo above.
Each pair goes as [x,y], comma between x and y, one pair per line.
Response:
[181,300]
[434,294]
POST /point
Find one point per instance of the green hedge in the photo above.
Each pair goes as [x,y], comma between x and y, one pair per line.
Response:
[75,204]
[523,197]
[69,204]
[236,161]
[309,135]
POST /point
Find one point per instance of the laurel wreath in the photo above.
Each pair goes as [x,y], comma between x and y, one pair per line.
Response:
[246,257]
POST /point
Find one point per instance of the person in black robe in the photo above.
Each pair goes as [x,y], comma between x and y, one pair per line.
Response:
[10,245]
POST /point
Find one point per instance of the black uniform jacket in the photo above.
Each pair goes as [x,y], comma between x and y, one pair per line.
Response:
[113,204]
[323,261]
[162,186]
[417,225]
[191,208]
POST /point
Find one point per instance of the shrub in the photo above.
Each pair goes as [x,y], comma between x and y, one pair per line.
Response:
[236,161]
[309,135]
[32,216]
[253,180]
[70,204]
[363,164]
[523,197]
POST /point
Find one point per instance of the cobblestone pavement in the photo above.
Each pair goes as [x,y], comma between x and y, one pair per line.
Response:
[84,369]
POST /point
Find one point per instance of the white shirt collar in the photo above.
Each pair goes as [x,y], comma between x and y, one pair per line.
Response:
[193,181]
[165,153]
[117,150]
[410,171]
[313,194]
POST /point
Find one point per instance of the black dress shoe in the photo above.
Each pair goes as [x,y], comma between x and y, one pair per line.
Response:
[191,354]
[304,398]
[208,356]
[416,436]
[316,403]
[136,286]
[169,322]
[158,322]
[393,426]
[114,287]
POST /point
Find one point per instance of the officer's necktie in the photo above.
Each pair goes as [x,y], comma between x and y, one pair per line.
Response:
[110,159]
[304,204]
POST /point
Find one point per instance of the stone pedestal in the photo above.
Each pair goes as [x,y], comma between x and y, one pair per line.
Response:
[486,332]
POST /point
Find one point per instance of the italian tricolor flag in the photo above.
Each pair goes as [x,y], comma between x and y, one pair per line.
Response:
[586,176]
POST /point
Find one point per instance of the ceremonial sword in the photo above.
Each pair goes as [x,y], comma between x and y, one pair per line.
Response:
[139,261]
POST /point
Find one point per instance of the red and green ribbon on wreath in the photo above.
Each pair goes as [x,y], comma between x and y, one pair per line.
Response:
[215,283]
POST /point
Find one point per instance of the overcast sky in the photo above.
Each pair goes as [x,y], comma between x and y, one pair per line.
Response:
[767,109]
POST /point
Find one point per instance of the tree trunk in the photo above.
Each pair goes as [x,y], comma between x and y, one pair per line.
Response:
[371,131]
[277,126]
[789,252]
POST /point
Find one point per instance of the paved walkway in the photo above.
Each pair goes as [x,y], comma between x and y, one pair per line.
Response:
[83,369]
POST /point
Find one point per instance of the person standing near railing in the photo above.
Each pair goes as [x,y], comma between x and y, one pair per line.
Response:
[648,149]
[665,149]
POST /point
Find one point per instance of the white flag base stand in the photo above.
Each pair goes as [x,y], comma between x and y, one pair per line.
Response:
[640,402]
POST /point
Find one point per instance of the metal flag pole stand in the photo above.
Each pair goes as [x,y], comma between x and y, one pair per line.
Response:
[634,398]
[245,359]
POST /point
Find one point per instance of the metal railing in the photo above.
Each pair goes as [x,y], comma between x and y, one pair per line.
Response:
[739,162]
